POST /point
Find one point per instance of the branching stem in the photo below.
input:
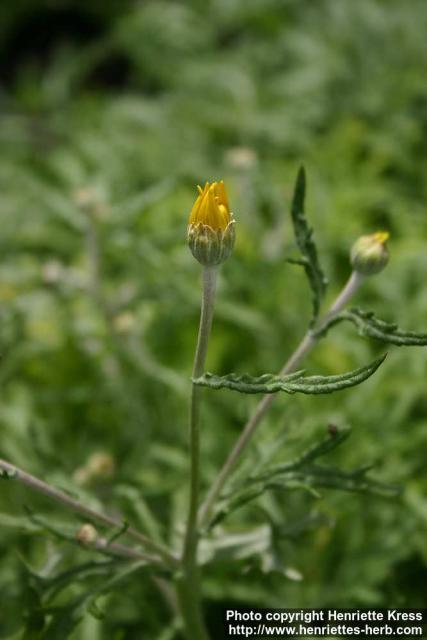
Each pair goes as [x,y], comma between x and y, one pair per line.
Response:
[306,345]
[71,503]
[123,551]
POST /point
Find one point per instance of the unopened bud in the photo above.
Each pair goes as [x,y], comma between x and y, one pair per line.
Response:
[101,465]
[369,254]
[52,272]
[124,322]
[211,233]
[87,535]
[91,201]
[241,158]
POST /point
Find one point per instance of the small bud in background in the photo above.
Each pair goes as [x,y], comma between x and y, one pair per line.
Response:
[91,201]
[87,535]
[124,322]
[211,225]
[241,158]
[101,465]
[369,254]
[52,272]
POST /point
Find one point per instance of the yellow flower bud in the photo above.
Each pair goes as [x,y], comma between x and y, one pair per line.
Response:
[211,225]
[369,254]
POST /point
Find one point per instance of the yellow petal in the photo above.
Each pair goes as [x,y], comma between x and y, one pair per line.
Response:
[381,236]
[211,207]
[222,194]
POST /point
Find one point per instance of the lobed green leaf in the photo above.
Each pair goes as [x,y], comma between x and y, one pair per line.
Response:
[368,325]
[293,383]
[304,238]
[304,473]
[327,444]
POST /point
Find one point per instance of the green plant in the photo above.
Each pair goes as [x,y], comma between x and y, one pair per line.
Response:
[211,238]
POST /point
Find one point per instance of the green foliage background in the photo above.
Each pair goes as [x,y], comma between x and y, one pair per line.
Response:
[139,102]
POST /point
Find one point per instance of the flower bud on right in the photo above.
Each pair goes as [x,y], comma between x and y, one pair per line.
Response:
[369,254]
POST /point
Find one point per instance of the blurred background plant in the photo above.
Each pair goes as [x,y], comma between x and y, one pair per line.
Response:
[110,113]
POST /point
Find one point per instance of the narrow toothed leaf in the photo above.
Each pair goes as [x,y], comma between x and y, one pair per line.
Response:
[368,325]
[316,450]
[306,245]
[304,473]
[293,383]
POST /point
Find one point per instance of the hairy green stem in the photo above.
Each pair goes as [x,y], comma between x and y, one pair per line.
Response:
[189,583]
[306,345]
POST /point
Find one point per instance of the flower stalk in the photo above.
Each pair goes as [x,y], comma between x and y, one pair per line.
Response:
[206,315]
[188,584]
[210,236]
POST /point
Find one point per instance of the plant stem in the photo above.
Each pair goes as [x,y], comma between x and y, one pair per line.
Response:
[206,314]
[121,550]
[306,345]
[47,490]
[188,585]
[189,600]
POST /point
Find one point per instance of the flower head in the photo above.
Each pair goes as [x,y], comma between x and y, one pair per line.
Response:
[369,254]
[211,225]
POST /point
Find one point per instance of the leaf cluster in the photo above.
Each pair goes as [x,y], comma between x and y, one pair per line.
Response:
[306,474]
